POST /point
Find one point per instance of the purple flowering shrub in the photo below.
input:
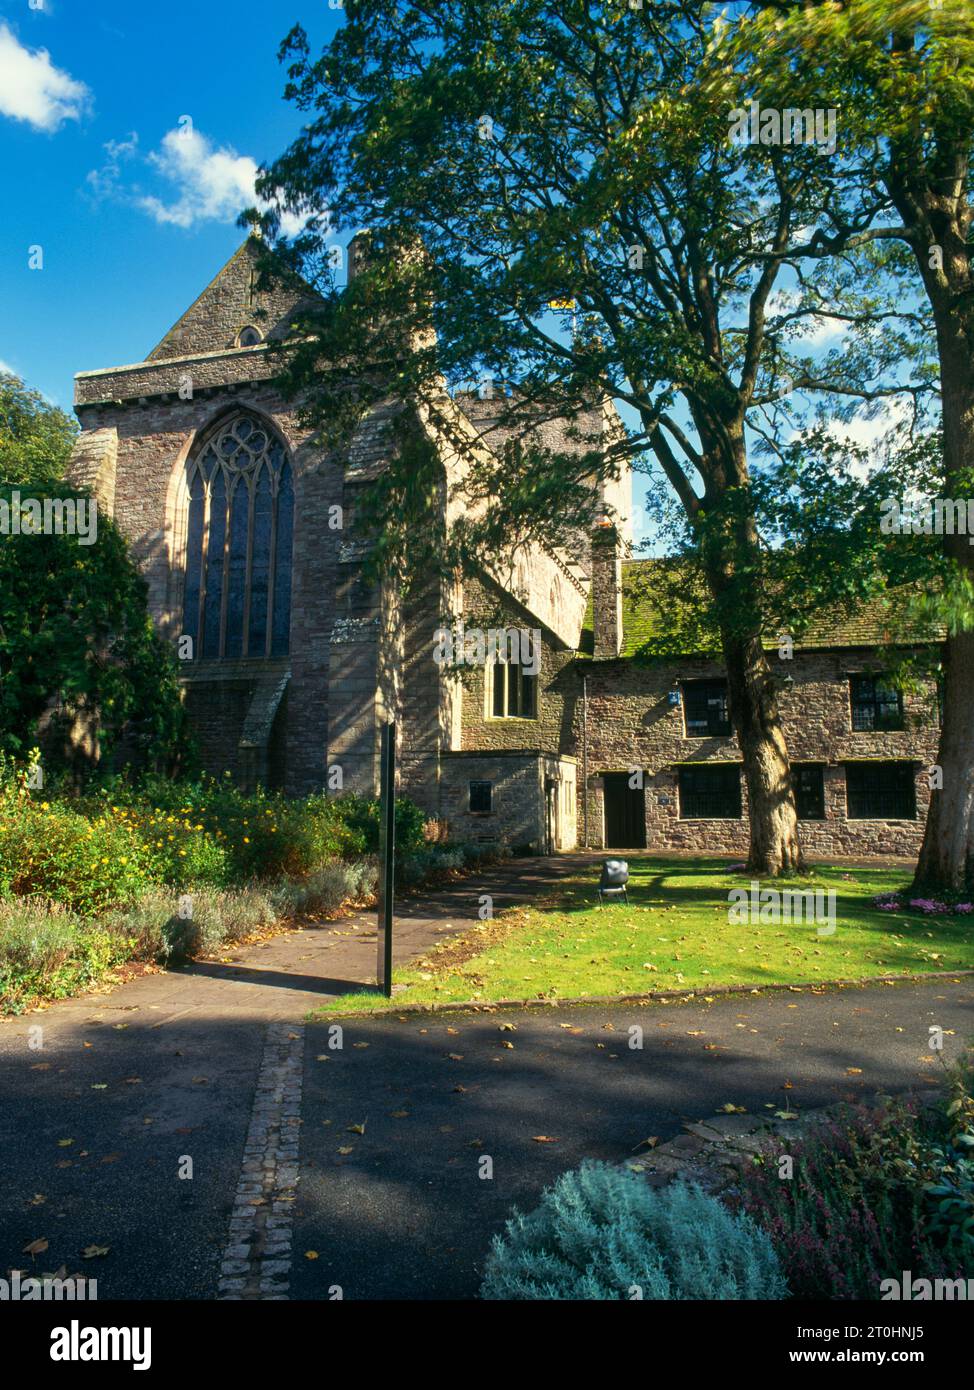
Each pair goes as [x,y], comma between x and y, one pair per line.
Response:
[930,907]
[855,1211]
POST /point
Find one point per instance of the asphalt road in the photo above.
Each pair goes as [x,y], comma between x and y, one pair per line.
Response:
[405,1212]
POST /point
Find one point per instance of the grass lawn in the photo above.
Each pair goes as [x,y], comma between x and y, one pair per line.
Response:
[676,934]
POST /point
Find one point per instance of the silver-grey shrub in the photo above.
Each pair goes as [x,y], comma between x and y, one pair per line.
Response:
[601,1232]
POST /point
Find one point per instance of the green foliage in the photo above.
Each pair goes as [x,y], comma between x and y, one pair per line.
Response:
[48,953]
[77,646]
[949,1190]
[109,846]
[603,1233]
[36,437]
[48,850]
[864,1203]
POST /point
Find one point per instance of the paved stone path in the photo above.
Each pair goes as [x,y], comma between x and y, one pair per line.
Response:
[352,1163]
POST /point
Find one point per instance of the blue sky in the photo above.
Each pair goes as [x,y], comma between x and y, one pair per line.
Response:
[132,224]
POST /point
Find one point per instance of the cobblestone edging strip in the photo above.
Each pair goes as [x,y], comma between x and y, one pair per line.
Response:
[256,1262]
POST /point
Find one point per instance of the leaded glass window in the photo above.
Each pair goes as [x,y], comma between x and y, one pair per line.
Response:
[239,526]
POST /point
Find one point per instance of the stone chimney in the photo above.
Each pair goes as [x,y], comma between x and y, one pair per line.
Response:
[358,252]
[606,591]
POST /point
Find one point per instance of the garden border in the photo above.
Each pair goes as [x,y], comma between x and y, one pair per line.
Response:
[645,997]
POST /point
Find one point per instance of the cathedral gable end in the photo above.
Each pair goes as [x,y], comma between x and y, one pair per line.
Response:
[232,312]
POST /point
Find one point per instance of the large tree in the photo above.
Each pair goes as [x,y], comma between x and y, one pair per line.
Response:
[35,437]
[512,155]
[82,672]
[901,73]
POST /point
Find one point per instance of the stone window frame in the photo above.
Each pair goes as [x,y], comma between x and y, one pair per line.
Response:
[726,728]
[473,810]
[527,681]
[905,769]
[248,328]
[866,706]
[806,765]
[206,436]
[721,767]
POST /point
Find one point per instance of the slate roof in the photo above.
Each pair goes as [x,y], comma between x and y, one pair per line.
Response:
[877,623]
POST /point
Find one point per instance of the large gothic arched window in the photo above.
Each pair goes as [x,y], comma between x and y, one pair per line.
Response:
[239,524]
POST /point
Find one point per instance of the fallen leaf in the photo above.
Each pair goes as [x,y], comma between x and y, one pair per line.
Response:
[357,1129]
[730,1109]
[63,1143]
[347,1149]
[36,1247]
[92,1252]
[311,1254]
[38,1199]
[543,1139]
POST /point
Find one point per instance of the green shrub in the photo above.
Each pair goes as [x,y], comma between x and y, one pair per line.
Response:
[46,952]
[145,925]
[949,1188]
[855,1212]
[48,850]
[603,1233]
[327,889]
[170,928]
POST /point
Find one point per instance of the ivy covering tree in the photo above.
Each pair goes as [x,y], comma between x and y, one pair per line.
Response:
[554,191]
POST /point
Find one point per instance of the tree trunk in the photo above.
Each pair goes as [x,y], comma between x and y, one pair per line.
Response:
[731,555]
[946,862]
[774,847]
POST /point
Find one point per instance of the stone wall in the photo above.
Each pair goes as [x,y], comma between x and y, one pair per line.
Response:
[631,724]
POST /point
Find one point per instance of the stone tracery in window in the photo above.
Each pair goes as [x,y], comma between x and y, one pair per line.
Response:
[239,526]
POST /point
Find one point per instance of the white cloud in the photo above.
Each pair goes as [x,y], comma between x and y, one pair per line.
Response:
[209,183]
[814,332]
[104,182]
[870,434]
[32,89]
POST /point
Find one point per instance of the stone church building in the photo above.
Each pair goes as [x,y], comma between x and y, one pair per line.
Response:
[293,660]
